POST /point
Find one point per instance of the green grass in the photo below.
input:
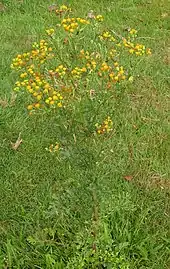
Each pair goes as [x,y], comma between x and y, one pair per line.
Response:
[54,209]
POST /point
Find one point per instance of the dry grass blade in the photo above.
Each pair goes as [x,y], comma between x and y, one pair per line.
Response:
[52,7]
[18,142]
[3,103]
[92,94]
[2,7]
[13,98]
[91,15]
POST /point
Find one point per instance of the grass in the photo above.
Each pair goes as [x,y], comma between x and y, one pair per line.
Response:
[106,196]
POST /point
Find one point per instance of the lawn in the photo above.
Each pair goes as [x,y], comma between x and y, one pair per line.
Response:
[98,199]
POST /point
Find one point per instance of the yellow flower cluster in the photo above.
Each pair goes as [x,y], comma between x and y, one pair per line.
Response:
[115,73]
[53,148]
[40,89]
[99,18]
[20,61]
[63,9]
[137,49]
[90,63]
[72,24]
[78,72]
[107,36]
[54,99]
[60,71]
[40,52]
[112,53]
[84,54]
[118,73]
[105,127]
[50,32]
[49,88]
[105,67]
[133,32]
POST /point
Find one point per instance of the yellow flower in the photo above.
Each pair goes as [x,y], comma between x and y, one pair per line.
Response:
[56,147]
[63,7]
[39,83]
[105,127]
[133,32]
[131,51]
[45,91]
[29,107]
[112,39]
[39,97]
[84,69]
[106,35]
[47,101]
[37,105]
[47,86]
[131,79]
[111,75]
[34,84]
[31,90]
[60,66]
[121,72]
[23,83]
[23,75]
[138,53]
[18,83]
[37,88]
[35,94]
[55,97]
[16,89]
[59,104]
[118,45]
[99,18]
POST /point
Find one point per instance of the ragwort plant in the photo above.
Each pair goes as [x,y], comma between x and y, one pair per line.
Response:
[79,61]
